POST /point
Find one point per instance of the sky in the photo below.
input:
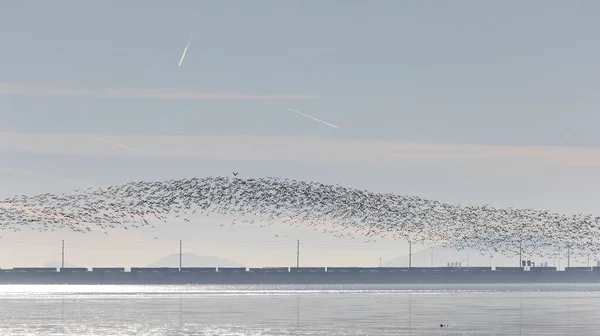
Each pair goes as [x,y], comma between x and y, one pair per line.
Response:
[464,102]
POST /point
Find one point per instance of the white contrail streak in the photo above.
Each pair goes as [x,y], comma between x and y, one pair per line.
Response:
[313,118]
[184,52]
[110,142]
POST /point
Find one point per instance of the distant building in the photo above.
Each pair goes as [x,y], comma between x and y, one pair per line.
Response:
[598,263]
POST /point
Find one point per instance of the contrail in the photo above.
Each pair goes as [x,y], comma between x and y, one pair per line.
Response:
[110,142]
[184,52]
[313,118]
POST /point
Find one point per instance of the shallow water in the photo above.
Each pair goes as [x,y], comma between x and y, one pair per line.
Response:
[301,310]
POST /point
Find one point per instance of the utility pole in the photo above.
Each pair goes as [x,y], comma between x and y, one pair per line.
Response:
[568,255]
[431,259]
[62,254]
[180,245]
[520,253]
[409,254]
[298,254]
[380,262]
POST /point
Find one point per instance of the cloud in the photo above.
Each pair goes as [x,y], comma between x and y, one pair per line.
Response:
[43,90]
[290,149]
[32,175]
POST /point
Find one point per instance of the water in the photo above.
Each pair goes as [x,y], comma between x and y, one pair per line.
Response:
[301,310]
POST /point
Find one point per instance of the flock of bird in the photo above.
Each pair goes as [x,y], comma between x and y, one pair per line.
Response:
[330,208]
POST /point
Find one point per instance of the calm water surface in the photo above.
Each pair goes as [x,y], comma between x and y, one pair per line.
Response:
[301,310]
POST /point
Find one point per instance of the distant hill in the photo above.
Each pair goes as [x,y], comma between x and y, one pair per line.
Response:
[441,256]
[194,260]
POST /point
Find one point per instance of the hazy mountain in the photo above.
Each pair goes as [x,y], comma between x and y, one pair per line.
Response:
[441,256]
[194,260]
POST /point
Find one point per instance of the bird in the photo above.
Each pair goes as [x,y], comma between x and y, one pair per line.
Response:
[336,210]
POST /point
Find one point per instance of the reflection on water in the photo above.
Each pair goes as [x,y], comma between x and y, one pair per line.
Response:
[297,312]
[300,310]
[409,313]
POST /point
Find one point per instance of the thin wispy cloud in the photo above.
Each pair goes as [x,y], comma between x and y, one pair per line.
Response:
[42,175]
[292,149]
[43,90]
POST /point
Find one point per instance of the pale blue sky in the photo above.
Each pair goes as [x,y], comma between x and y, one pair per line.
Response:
[513,74]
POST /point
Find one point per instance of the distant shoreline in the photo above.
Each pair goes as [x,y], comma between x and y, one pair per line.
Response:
[302,275]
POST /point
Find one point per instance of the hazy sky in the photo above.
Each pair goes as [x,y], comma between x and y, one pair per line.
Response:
[462,101]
